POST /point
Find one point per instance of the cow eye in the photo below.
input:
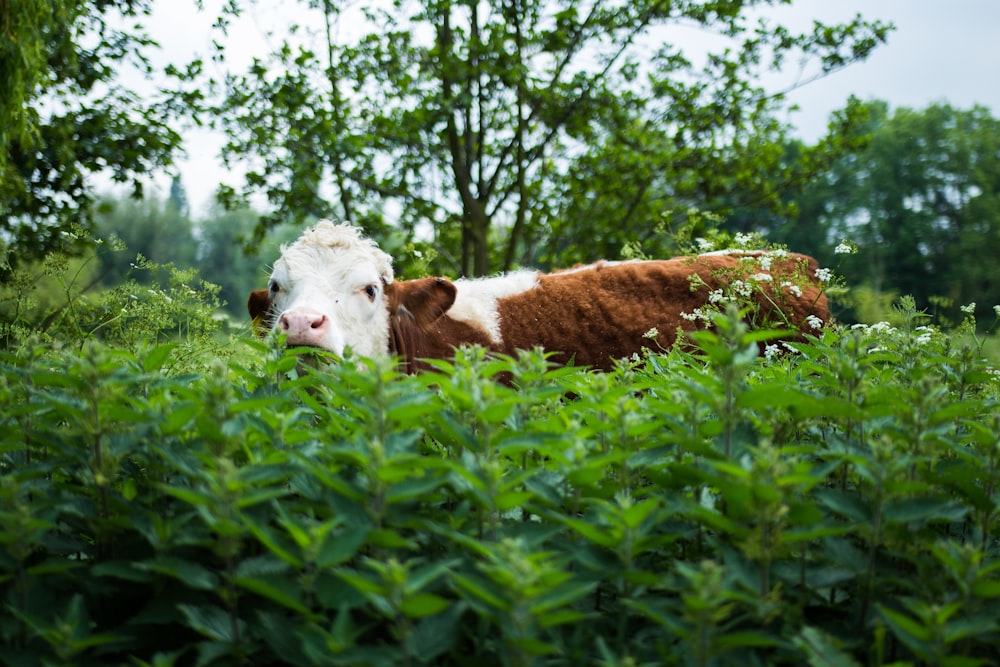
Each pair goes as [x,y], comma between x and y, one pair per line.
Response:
[371,291]
[274,287]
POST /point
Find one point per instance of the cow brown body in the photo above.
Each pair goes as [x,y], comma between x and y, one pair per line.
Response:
[591,315]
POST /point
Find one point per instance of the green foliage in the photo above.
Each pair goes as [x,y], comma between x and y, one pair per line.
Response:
[833,504]
[920,197]
[515,129]
[58,302]
[160,231]
[168,240]
[65,116]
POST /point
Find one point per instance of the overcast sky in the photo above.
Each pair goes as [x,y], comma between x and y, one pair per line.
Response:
[939,52]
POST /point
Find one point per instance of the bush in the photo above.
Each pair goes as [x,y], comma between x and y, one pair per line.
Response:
[832,502]
[58,302]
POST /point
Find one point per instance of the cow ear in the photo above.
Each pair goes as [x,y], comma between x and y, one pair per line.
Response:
[425,299]
[259,307]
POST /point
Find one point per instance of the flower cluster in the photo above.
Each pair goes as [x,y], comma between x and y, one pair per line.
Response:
[824,275]
[772,350]
[792,288]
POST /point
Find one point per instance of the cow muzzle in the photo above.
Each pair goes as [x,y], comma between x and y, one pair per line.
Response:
[305,327]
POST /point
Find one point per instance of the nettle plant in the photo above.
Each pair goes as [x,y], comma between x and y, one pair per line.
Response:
[704,505]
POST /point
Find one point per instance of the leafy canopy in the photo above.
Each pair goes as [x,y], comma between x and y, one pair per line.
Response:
[65,115]
[516,128]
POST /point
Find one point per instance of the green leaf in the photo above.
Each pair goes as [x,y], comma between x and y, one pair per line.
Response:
[924,510]
[266,536]
[156,357]
[423,604]
[211,622]
[534,646]
[284,591]
[412,486]
[560,596]
[387,538]
[986,588]
[510,499]
[124,570]
[434,635]
[846,504]
[822,650]
[639,512]
[909,631]
[190,573]
[478,592]
[338,548]
[591,533]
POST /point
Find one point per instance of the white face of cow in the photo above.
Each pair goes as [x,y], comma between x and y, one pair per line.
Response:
[328,291]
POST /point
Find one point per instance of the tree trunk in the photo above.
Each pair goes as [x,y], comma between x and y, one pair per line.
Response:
[475,220]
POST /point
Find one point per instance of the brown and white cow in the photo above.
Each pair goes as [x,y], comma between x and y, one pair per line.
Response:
[334,289]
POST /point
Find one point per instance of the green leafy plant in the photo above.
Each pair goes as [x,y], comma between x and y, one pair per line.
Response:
[704,505]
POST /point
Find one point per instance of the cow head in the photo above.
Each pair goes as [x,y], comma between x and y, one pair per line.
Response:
[334,289]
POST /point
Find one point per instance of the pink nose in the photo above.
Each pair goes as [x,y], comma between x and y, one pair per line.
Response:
[304,327]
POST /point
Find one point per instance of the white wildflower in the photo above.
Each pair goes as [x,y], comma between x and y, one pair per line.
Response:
[742,288]
[765,261]
[652,333]
[824,275]
[761,277]
[814,322]
[703,314]
[770,351]
[845,248]
[969,309]
[716,296]
[882,328]
[792,288]
[779,252]
[704,244]
[926,335]
[996,310]
[742,239]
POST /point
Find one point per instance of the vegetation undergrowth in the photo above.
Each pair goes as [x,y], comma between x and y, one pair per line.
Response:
[831,502]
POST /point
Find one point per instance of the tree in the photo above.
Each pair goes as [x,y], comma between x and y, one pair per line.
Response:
[226,260]
[922,201]
[149,227]
[518,128]
[65,115]
[178,198]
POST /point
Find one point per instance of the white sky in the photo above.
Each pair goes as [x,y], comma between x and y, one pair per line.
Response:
[939,52]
